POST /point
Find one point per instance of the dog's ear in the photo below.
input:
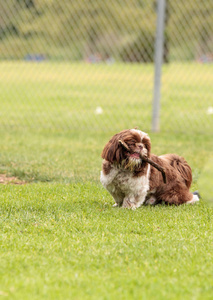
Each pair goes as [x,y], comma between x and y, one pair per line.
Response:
[108,152]
[112,152]
[147,143]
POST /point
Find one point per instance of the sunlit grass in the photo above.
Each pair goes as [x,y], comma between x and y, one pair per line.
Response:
[60,236]
[66,241]
[66,95]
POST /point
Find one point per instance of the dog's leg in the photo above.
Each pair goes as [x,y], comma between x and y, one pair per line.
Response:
[129,202]
[134,201]
[117,195]
[152,200]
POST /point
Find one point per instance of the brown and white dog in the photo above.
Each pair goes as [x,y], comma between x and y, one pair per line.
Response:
[133,182]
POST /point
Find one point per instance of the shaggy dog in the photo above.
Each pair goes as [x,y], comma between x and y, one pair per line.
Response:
[132,181]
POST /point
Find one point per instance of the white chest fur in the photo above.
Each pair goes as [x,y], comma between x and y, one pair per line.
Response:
[126,189]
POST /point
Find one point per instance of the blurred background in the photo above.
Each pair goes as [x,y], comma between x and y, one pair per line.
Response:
[89,65]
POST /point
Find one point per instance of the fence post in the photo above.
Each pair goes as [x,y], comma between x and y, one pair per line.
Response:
[159,47]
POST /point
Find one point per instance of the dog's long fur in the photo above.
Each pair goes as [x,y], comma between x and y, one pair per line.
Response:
[133,182]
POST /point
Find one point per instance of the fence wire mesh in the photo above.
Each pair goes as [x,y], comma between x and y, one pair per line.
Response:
[90,64]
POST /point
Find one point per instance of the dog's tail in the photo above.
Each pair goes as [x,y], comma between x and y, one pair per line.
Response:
[180,164]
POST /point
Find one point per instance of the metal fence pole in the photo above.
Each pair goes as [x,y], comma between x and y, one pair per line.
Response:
[159,46]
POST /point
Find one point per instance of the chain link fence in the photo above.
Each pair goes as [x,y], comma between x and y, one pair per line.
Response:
[89,65]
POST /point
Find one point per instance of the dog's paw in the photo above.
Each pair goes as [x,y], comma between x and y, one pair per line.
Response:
[127,203]
[151,201]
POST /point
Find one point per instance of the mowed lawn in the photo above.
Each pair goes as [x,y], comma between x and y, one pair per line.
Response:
[65,96]
[60,237]
[67,242]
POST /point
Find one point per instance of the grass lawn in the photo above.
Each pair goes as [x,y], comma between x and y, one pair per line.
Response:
[65,96]
[60,237]
[67,242]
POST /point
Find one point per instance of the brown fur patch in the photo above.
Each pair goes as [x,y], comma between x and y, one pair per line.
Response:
[147,143]
[106,167]
[179,178]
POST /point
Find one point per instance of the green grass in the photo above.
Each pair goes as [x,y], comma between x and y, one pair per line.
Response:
[64,96]
[60,237]
[205,181]
[67,242]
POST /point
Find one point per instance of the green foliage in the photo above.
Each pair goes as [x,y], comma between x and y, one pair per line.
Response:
[124,30]
[141,49]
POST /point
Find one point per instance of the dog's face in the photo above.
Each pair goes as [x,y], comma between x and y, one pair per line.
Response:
[129,157]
